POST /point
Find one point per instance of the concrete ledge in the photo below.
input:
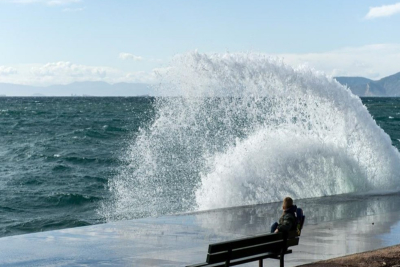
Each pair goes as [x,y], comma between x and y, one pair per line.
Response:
[334,227]
[389,256]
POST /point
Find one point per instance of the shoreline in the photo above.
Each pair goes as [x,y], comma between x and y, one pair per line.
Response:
[388,256]
[335,227]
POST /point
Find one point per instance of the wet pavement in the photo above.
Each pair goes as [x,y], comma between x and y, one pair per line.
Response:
[335,226]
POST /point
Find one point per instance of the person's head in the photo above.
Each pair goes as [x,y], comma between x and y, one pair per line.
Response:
[287,203]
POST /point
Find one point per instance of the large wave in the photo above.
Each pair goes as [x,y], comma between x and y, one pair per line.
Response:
[239,129]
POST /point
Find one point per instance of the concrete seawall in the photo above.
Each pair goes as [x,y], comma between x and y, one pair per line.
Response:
[335,226]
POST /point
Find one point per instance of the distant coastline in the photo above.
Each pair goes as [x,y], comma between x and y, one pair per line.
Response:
[386,87]
[81,89]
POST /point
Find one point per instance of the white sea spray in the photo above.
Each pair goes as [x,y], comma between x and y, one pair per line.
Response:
[239,129]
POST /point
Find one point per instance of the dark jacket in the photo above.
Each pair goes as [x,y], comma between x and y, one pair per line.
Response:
[288,221]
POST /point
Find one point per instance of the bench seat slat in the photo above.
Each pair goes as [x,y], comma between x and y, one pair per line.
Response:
[245,242]
[252,258]
[243,260]
[199,265]
[249,251]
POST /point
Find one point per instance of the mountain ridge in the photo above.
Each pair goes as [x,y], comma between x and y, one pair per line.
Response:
[386,87]
[86,88]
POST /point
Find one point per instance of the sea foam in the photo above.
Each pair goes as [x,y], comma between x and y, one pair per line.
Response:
[240,129]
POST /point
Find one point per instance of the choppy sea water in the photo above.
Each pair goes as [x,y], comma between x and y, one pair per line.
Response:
[58,154]
[239,129]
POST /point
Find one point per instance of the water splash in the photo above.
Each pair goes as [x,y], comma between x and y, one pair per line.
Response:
[243,129]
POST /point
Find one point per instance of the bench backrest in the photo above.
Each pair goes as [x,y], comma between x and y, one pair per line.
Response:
[246,247]
[300,219]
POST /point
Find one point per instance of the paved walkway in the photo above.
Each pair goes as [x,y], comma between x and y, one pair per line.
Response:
[389,257]
[334,227]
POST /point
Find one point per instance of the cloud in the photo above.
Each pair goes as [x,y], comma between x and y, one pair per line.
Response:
[372,61]
[64,72]
[383,11]
[67,69]
[128,56]
[5,71]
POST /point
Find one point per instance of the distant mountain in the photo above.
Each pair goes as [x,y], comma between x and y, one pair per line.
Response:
[391,84]
[388,86]
[78,89]
[9,89]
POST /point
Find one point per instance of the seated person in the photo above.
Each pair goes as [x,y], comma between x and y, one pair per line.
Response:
[288,221]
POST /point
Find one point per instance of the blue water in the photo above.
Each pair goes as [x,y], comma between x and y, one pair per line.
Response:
[58,155]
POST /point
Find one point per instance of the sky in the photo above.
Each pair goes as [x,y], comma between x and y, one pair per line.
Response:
[46,42]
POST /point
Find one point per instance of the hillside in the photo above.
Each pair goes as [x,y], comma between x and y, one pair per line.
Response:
[388,86]
[78,89]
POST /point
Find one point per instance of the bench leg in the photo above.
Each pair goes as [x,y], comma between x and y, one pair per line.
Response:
[281,260]
[260,263]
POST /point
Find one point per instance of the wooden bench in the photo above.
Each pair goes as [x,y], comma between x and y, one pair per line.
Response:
[250,249]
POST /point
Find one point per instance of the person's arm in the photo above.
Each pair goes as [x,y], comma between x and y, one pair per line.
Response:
[286,224]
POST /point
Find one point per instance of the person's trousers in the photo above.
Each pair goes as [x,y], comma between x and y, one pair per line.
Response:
[274,226]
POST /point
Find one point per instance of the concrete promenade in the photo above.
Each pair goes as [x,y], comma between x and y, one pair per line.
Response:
[334,227]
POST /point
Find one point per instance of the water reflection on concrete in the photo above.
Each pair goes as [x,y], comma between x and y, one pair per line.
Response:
[335,226]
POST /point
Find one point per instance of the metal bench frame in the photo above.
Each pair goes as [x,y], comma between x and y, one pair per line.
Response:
[256,248]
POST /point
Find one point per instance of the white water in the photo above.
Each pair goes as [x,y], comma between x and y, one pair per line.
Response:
[248,129]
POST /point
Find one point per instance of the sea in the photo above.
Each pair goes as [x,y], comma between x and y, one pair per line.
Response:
[225,131]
